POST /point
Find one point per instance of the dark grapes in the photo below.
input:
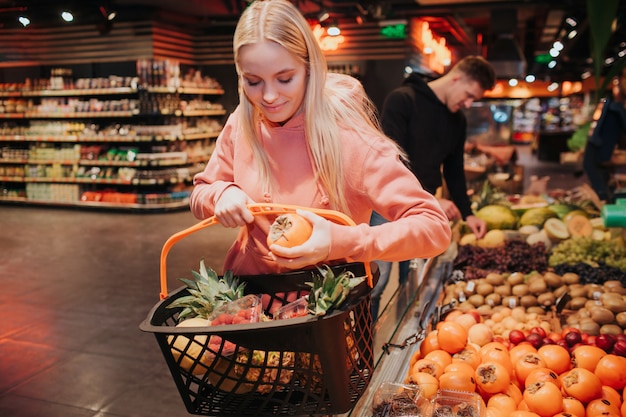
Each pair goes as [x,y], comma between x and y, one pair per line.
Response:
[589,274]
[516,255]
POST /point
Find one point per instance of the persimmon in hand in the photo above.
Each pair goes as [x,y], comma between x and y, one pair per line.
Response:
[289,230]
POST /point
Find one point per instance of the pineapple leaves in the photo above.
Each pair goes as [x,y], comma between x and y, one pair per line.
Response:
[329,291]
[206,292]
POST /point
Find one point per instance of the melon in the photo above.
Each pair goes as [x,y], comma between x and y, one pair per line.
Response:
[579,226]
[562,209]
[574,213]
[497,217]
[556,229]
[493,239]
[468,239]
[529,229]
[540,237]
[537,216]
[195,358]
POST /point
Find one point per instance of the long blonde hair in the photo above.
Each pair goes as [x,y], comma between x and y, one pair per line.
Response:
[325,107]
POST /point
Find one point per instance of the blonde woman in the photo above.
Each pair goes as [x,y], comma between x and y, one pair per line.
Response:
[302,136]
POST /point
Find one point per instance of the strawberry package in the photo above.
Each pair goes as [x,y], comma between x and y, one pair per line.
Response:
[247,309]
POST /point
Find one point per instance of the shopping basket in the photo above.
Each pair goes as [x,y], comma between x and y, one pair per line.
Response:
[299,366]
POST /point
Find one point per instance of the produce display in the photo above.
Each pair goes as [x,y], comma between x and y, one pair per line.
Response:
[535,372]
[537,324]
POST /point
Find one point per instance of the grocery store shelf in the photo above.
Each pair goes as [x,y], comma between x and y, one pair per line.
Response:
[147,207]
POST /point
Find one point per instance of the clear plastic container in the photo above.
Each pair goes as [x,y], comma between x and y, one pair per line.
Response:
[297,308]
[393,399]
[247,309]
[449,403]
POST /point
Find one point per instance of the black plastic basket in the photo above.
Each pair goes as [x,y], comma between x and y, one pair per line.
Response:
[297,366]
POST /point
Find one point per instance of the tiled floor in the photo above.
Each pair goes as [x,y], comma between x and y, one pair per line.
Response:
[74,286]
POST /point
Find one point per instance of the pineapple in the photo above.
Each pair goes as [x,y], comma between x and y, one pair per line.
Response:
[329,291]
[207,291]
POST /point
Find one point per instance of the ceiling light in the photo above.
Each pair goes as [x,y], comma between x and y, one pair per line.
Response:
[107,13]
[25,21]
[333,29]
[558,45]
[530,78]
[571,21]
[572,34]
[552,64]
[323,15]
[553,86]
[67,16]
[513,82]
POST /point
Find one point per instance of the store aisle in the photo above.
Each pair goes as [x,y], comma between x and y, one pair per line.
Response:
[75,286]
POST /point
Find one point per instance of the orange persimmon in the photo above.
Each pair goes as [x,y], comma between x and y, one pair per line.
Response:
[289,230]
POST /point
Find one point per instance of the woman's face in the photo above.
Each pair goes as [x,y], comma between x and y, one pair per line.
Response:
[273,79]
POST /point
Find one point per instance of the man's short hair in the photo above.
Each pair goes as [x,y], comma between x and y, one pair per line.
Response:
[478,69]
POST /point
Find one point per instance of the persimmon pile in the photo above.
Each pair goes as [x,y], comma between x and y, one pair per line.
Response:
[565,374]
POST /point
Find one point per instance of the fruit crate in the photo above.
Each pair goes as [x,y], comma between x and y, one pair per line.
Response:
[299,366]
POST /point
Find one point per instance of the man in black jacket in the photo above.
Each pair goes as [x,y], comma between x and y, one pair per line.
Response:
[603,138]
[424,118]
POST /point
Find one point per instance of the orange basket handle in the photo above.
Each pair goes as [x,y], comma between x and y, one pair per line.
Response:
[256,209]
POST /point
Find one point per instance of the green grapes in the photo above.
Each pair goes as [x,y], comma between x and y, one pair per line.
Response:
[589,251]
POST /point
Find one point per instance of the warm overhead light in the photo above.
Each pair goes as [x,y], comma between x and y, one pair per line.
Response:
[571,21]
[67,16]
[107,13]
[323,15]
[572,34]
[25,21]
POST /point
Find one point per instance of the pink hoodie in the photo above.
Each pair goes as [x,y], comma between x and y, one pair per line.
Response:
[375,179]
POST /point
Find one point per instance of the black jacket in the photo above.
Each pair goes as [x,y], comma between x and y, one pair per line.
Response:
[432,136]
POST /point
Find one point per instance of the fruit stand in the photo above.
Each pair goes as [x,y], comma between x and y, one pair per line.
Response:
[530,321]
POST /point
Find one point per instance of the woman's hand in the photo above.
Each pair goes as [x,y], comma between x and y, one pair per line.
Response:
[232,209]
[311,252]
